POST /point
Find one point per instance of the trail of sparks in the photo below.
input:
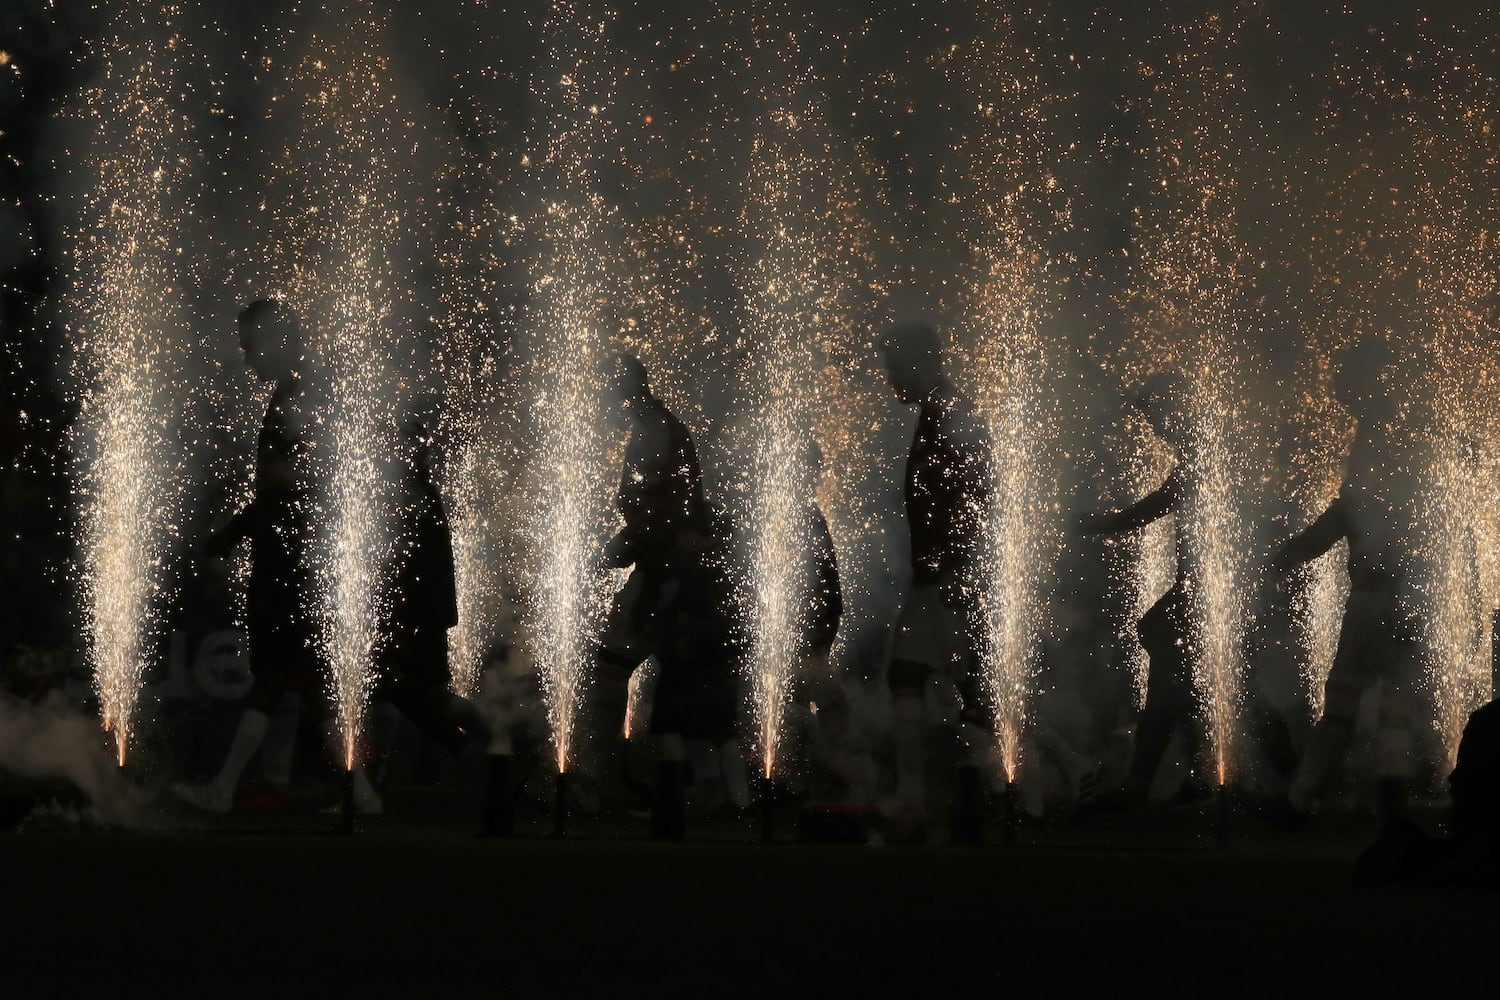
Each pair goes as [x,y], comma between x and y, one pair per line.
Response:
[1193,290]
[1013,203]
[342,274]
[571,322]
[786,296]
[132,336]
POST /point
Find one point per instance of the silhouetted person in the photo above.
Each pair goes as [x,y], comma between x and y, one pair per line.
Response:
[822,600]
[947,490]
[660,496]
[1379,636]
[283,635]
[1470,858]
[1166,629]
[693,637]
[820,605]
[412,657]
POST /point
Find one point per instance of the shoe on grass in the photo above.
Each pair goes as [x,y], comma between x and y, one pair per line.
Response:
[210,798]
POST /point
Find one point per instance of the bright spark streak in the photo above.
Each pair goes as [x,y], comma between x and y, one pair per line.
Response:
[131,336]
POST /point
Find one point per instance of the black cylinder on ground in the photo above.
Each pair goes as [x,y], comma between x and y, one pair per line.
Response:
[668,801]
[498,816]
[560,806]
[968,806]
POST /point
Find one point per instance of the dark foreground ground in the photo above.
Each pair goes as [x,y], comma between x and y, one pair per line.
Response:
[416,906]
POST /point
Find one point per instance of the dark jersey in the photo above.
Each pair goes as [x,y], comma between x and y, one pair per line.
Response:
[1375,510]
[424,596]
[661,485]
[277,523]
[947,488]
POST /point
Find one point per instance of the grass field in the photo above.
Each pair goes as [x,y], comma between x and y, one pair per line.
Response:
[415,905]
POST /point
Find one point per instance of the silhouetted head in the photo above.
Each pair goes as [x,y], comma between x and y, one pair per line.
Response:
[417,439]
[814,453]
[913,356]
[1163,400]
[1359,375]
[631,384]
[1475,780]
[811,457]
[271,337]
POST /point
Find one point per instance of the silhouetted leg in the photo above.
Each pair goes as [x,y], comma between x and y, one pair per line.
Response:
[1169,698]
[427,706]
[1334,730]
[1274,736]
[736,776]
[1396,758]
[281,741]
[908,681]
[668,800]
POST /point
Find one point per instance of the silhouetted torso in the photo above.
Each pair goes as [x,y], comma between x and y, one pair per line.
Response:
[661,485]
[278,525]
[946,490]
[424,600]
[1375,509]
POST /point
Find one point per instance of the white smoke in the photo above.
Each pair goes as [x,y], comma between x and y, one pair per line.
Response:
[50,741]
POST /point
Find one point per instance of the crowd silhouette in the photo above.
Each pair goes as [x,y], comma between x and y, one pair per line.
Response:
[677,609]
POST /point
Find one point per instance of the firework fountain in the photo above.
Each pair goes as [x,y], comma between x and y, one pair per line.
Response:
[1015,205]
[570,324]
[1459,506]
[1014,562]
[1151,568]
[132,341]
[473,375]
[784,302]
[1192,292]
[1455,623]
[339,197]
[1455,550]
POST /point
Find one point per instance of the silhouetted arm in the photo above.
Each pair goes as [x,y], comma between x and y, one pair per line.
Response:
[1152,507]
[1314,540]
